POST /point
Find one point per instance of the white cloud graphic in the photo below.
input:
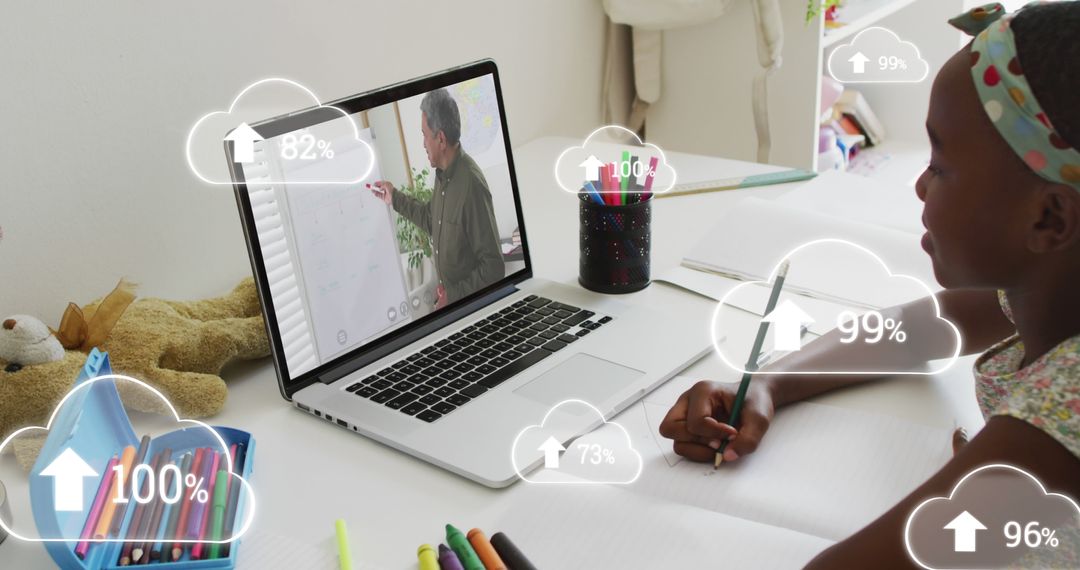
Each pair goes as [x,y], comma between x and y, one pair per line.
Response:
[605,455]
[335,141]
[860,60]
[941,331]
[993,496]
[570,172]
[41,464]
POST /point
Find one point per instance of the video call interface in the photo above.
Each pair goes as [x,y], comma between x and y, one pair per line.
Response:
[365,267]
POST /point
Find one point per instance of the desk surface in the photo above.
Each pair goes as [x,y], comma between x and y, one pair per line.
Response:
[393,502]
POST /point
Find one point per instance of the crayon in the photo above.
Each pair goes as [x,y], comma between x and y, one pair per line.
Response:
[448,560]
[426,555]
[140,554]
[95,510]
[161,548]
[463,549]
[205,510]
[485,551]
[116,490]
[344,552]
[509,552]
[140,458]
[185,508]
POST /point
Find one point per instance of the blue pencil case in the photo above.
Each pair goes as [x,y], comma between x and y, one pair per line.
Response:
[94,424]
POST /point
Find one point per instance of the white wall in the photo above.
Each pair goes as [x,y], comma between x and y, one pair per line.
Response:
[98,97]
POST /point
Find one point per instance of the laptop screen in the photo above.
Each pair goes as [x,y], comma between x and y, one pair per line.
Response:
[432,220]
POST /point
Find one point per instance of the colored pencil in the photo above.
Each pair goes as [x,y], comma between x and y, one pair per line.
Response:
[161,550]
[140,554]
[140,512]
[95,510]
[115,491]
[234,500]
[218,524]
[751,363]
[205,510]
[185,509]
[140,458]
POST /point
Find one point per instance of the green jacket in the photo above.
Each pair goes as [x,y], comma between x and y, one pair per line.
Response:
[461,222]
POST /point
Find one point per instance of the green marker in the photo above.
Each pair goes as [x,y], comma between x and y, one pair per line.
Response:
[460,545]
[344,553]
[625,179]
[221,496]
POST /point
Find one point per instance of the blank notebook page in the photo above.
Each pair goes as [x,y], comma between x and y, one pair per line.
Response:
[821,470]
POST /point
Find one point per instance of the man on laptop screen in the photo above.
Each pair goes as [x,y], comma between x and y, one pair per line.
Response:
[459,218]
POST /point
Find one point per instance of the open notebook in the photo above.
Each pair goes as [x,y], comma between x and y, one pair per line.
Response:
[822,473]
[754,236]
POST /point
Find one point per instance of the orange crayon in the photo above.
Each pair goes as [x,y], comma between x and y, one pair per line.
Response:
[485,551]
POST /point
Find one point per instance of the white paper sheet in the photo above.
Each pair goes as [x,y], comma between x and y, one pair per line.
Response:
[752,239]
[820,470]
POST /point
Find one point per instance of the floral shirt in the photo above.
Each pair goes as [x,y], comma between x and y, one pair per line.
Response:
[1045,393]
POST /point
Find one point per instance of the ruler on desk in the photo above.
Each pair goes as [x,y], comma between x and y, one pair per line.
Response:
[784,176]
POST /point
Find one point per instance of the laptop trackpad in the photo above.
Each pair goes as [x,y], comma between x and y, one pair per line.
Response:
[584,376]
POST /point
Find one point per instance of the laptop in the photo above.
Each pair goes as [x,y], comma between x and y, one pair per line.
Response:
[447,355]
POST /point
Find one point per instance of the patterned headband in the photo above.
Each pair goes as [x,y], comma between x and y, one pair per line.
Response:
[1008,100]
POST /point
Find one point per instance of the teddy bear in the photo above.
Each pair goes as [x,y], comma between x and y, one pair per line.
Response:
[179,347]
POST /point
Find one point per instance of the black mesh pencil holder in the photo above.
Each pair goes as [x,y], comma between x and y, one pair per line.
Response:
[616,242]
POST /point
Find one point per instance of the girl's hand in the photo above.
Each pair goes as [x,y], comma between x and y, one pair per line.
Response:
[698,420]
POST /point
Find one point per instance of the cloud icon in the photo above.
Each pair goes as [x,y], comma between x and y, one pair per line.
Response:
[997,516]
[877,55]
[602,456]
[64,484]
[606,147]
[836,269]
[330,151]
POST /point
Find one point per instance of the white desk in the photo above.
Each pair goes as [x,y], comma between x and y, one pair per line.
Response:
[308,473]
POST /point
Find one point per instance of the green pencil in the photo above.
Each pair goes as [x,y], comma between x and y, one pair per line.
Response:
[625,179]
[221,497]
[751,363]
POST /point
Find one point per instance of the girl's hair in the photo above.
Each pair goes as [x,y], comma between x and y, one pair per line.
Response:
[1048,47]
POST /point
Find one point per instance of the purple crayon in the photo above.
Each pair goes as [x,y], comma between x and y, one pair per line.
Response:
[448,560]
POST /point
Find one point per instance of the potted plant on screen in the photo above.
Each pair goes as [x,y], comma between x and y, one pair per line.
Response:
[413,242]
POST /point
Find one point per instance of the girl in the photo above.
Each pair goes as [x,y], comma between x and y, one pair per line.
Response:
[1002,211]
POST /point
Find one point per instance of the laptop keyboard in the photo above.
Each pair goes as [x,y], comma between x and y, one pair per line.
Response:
[455,370]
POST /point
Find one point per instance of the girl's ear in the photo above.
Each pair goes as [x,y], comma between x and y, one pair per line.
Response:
[1058,226]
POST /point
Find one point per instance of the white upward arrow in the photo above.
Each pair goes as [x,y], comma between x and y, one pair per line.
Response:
[788,319]
[592,167]
[964,527]
[243,138]
[67,471]
[858,62]
[551,448]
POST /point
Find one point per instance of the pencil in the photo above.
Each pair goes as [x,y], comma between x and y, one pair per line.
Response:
[95,510]
[185,509]
[752,362]
[234,499]
[202,523]
[174,515]
[152,517]
[140,513]
[121,509]
[115,491]
[225,483]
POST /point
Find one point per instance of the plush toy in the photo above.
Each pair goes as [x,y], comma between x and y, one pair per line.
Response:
[177,347]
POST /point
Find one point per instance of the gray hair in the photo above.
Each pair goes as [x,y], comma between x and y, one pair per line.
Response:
[442,114]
